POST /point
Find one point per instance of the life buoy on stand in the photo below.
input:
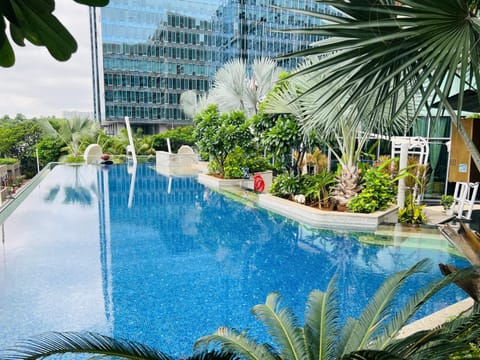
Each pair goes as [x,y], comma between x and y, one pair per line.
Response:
[258,183]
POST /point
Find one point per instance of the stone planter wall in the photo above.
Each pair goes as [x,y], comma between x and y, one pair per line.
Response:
[267,178]
[319,218]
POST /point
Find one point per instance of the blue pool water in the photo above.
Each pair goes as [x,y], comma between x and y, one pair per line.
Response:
[166,261]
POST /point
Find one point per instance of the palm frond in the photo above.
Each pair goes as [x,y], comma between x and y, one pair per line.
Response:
[57,343]
[411,306]
[282,325]
[388,47]
[213,355]
[188,101]
[379,307]
[371,354]
[232,341]
[321,322]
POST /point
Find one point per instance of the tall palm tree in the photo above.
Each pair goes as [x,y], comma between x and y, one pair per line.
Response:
[423,50]
[342,127]
[372,336]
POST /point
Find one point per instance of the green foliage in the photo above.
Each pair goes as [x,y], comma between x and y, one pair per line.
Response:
[8,161]
[18,139]
[412,213]
[49,150]
[76,133]
[179,136]
[316,188]
[447,201]
[472,353]
[233,172]
[283,137]
[34,21]
[74,159]
[238,160]
[373,335]
[285,186]
[378,192]
[219,134]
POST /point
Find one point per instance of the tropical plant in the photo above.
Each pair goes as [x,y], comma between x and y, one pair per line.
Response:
[379,190]
[404,51]
[239,164]
[34,21]
[344,135]
[182,135]
[316,188]
[233,89]
[219,134]
[372,336]
[412,213]
[447,201]
[75,133]
[285,186]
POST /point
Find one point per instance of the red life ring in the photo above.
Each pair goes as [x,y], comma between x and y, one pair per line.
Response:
[258,183]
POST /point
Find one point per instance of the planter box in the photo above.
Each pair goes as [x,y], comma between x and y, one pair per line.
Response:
[180,164]
[217,183]
[319,218]
[267,178]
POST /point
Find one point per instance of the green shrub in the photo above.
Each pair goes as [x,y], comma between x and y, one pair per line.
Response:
[233,172]
[285,186]
[8,161]
[74,159]
[378,192]
[412,213]
[238,160]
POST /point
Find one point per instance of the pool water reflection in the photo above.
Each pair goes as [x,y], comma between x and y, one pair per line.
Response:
[167,260]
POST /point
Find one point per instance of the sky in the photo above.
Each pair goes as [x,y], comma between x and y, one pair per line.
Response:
[38,85]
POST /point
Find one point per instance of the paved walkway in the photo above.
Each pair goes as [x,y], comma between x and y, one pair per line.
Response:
[436,215]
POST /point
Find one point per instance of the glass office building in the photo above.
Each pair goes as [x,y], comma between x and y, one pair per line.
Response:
[248,29]
[146,53]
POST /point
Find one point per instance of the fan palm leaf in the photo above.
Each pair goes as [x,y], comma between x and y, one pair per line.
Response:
[423,48]
[234,89]
[188,102]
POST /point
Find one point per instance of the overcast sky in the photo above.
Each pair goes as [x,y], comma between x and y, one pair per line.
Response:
[38,85]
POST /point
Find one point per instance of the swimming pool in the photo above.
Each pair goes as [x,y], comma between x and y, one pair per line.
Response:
[165,260]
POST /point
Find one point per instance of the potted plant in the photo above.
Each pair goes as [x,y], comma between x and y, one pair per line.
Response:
[447,201]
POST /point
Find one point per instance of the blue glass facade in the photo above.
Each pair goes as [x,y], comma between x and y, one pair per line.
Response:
[248,29]
[146,53]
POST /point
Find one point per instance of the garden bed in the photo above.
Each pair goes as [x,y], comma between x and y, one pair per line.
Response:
[319,218]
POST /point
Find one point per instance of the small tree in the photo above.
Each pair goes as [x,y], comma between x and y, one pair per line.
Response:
[218,134]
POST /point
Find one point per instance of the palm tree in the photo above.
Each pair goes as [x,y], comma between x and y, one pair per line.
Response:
[234,89]
[372,336]
[72,132]
[399,51]
[342,127]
